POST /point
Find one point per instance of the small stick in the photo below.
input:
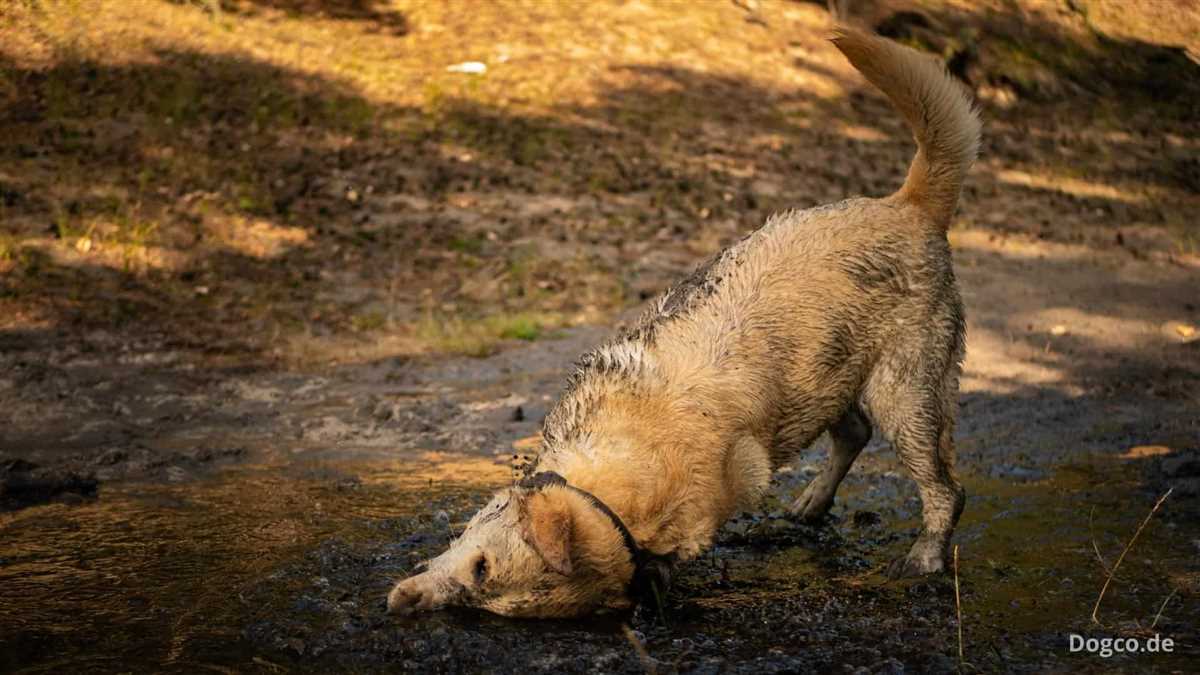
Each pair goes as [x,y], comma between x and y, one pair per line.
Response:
[958,607]
[647,662]
[1164,606]
[1113,571]
[1092,533]
[273,667]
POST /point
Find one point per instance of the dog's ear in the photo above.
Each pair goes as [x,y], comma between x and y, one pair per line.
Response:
[547,527]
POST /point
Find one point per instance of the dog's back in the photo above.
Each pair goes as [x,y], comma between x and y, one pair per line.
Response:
[784,328]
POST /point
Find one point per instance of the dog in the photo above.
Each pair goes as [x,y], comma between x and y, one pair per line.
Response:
[839,318]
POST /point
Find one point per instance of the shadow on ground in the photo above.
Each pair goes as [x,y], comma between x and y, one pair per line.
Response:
[376,15]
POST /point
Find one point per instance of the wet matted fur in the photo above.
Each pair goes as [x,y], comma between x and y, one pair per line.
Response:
[839,318]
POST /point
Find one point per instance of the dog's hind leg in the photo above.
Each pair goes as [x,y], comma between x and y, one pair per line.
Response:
[942,501]
[850,435]
[919,421]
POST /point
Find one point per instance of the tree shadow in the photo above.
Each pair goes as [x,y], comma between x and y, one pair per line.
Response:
[375,13]
[144,161]
[1101,103]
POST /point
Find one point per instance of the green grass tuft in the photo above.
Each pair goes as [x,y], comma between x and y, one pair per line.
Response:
[482,336]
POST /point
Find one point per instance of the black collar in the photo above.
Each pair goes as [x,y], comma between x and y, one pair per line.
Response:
[649,570]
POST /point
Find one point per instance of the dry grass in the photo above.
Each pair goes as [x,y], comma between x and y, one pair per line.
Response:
[958,611]
[1121,558]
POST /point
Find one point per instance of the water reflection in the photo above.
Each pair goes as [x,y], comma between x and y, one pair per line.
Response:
[153,575]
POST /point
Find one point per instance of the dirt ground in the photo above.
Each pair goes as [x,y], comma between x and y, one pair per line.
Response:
[279,293]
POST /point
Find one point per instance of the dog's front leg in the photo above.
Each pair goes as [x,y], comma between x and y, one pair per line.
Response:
[850,435]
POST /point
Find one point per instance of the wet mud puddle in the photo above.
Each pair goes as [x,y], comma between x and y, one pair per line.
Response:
[276,567]
[155,575]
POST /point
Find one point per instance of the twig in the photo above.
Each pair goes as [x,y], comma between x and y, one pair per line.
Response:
[1092,535]
[1164,606]
[1108,580]
[958,607]
[658,602]
[647,662]
[273,667]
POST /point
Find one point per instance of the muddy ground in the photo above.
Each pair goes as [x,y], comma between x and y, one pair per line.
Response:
[254,520]
[234,400]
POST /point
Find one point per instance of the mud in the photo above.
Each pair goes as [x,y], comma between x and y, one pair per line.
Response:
[284,566]
[23,483]
[197,516]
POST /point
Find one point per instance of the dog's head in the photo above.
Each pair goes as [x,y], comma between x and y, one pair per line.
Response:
[533,552]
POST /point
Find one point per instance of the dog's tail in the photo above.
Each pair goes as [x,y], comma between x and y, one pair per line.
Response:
[943,120]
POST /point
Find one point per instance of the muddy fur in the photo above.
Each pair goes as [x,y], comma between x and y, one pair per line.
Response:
[837,318]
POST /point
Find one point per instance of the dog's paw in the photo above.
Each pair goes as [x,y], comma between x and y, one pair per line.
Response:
[812,505]
[919,562]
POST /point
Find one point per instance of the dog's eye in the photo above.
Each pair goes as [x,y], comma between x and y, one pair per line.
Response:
[481,569]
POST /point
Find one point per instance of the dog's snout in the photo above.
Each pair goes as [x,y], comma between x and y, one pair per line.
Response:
[414,594]
[403,599]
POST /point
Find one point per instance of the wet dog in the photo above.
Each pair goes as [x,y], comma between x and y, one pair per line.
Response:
[839,318]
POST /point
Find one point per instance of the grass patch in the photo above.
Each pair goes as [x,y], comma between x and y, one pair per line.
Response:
[520,327]
[10,247]
[482,336]
[370,321]
[467,244]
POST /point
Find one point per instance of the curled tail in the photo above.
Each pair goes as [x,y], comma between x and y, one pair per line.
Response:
[943,121]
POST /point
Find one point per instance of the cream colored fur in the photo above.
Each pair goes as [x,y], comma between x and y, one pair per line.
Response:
[821,320]
[943,122]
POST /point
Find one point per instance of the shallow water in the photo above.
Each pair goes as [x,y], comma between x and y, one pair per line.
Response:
[285,565]
[154,575]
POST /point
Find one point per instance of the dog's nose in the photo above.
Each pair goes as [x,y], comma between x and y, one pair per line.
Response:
[407,597]
[402,600]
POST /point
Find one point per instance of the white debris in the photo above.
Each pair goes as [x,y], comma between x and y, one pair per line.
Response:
[473,67]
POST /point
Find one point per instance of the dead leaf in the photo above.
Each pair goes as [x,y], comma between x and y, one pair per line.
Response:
[1178,330]
[1140,451]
